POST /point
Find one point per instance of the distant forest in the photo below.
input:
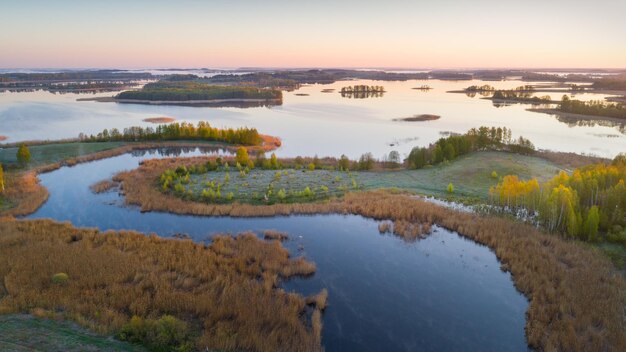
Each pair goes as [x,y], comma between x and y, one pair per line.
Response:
[189,91]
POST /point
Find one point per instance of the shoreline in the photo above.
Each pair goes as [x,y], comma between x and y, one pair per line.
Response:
[576,116]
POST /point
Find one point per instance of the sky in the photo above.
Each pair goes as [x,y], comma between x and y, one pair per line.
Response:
[321,33]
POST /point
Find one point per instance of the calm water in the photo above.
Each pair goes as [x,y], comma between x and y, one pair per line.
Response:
[443,293]
[325,123]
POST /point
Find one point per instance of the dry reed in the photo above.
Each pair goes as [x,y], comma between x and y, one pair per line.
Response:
[103,186]
[220,289]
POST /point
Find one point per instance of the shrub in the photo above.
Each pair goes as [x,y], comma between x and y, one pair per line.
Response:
[164,334]
[494,174]
[60,278]
[311,167]
[450,188]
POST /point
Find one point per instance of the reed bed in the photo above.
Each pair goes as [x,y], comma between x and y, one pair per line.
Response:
[577,300]
[226,291]
[103,186]
[23,193]
[275,235]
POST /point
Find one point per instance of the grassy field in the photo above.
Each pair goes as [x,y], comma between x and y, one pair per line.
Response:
[52,153]
[24,333]
[471,176]
[259,185]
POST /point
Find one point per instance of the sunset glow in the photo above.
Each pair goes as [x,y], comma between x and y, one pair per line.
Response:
[408,34]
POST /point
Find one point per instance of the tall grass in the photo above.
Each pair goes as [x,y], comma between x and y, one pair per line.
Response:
[225,291]
[577,301]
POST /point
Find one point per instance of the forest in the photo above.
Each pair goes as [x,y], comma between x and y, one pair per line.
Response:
[482,138]
[594,108]
[189,91]
[521,94]
[617,82]
[582,204]
[178,131]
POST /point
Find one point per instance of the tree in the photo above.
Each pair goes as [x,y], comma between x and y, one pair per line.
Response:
[450,188]
[274,162]
[449,152]
[344,163]
[260,159]
[591,224]
[1,179]
[366,161]
[394,158]
[242,156]
[23,154]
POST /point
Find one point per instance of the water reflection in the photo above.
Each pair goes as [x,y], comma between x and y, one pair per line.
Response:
[362,95]
[325,124]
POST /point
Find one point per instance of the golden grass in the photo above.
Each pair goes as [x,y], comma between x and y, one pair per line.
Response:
[103,186]
[577,301]
[319,300]
[24,192]
[226,291]
[159,119]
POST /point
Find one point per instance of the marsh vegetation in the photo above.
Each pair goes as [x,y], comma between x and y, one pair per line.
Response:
[162,297]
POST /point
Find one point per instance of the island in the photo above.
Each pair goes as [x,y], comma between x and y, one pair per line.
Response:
[362,91]
[158,120]
[417,118]
[167,92]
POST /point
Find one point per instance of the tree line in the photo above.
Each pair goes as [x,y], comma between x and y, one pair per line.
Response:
[594,107]
[178,131]
[582,204]
[482,138]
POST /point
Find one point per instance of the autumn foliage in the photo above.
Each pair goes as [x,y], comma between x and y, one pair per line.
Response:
[590,200]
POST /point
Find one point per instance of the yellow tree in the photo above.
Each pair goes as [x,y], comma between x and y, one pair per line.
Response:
[1,179]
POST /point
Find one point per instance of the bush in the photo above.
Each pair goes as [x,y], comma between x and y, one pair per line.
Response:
[60,278]
[164,334]
[450,188]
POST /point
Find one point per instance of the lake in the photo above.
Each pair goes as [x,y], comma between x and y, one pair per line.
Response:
[444,292]
[313,122]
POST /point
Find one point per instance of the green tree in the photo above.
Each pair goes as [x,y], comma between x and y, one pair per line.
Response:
[311,166]
[242,156]
[366,161]
[449,152]
[592,222]
[23,154]
[281,194]
[344,163]
[274,162]
[450,188]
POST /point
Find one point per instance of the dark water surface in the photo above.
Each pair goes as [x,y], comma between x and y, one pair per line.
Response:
[443,293]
